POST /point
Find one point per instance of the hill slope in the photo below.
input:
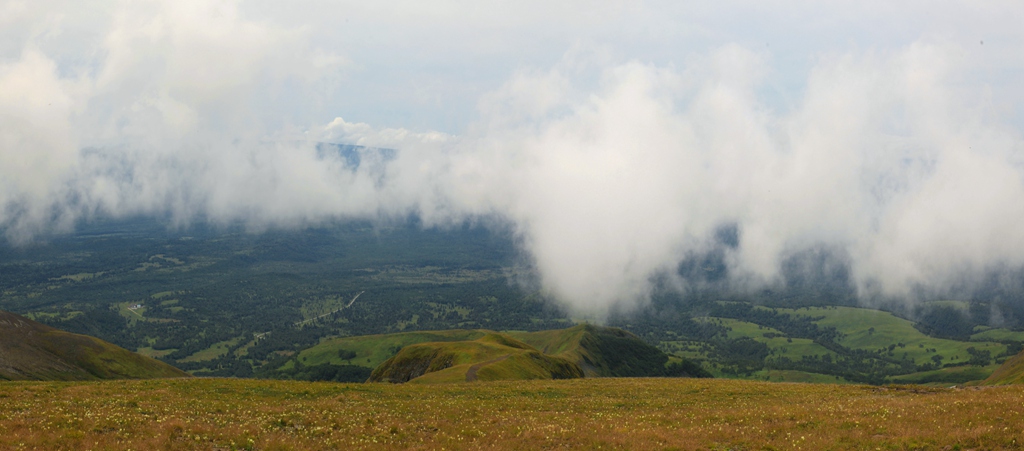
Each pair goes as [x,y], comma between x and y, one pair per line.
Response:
[491,357]
[1010,373]
[33,351]
[580,351]
[605,352]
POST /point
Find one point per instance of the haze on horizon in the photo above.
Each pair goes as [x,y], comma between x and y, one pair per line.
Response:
[616,139]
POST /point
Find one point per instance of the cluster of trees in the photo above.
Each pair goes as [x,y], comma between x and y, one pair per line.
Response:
[944,321]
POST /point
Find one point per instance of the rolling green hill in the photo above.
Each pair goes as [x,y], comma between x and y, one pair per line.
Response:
[371,350]
[491,357]
[603,351]
[33,351]
[460,355]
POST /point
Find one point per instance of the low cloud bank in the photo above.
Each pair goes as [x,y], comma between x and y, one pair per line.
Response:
[892,164]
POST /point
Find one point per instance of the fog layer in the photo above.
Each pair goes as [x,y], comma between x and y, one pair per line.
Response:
[610,171]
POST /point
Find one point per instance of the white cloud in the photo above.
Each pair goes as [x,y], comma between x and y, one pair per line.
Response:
[615,138]
[875,160]
[39,146]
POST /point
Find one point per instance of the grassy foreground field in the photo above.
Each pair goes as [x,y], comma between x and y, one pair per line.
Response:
[580,414]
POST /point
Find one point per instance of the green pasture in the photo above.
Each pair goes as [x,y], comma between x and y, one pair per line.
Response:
[778,343]
[372,350]
[875,330]
[216,350]
[993,334]
[744,329]
[552,342]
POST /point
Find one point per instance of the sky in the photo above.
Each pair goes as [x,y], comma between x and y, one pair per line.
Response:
[614,138]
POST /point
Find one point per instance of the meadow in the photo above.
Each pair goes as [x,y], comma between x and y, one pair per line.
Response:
[874,330]
[225,414]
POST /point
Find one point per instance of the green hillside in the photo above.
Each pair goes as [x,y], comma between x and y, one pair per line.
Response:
[465,355]
[605,351]
[447,355]
[874,330]
[33,351]
[371,350]
[1010,373]
[838,344]
[493,356]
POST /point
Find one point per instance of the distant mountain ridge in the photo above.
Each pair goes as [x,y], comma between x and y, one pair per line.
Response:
[33,351]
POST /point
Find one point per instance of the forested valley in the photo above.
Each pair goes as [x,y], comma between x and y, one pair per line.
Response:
[226,301]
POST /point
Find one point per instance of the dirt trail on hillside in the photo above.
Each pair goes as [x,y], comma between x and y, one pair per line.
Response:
[471,374]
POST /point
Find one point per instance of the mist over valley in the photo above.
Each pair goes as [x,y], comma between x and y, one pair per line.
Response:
[511,225]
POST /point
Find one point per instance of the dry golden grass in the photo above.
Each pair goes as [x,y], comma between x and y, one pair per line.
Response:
[587,413]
